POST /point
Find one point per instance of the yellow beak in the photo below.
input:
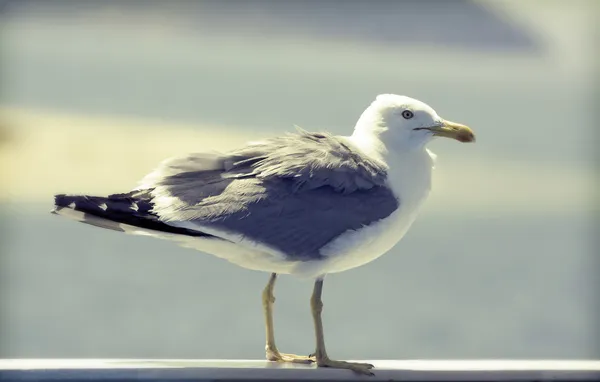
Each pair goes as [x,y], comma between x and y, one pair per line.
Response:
[453,130]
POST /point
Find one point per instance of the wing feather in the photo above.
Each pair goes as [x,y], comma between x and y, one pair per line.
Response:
[293,193]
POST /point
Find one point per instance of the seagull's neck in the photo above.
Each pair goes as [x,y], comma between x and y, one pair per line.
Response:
[369,137]
[404,160]
[371,145]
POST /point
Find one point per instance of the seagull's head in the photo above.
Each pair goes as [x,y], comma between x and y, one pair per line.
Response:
[403,122]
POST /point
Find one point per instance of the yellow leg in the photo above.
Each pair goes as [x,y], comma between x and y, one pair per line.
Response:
[272,353]
[321,356]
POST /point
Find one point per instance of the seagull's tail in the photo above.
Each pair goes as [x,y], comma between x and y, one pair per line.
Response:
[117,212]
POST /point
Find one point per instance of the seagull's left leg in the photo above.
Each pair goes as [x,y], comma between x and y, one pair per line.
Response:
[272,353]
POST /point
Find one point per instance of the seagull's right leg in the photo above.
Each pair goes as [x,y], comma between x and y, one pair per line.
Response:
[272,353]
[322,358]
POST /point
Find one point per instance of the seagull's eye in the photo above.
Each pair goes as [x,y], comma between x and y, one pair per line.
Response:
[407,114]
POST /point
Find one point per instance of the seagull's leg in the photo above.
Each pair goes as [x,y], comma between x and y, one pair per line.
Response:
[272,353]
[322,358]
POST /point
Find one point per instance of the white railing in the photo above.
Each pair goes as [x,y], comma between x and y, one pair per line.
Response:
[246,370]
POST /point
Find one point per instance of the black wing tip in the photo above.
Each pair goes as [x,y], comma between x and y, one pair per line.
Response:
[112,210]
[63,200]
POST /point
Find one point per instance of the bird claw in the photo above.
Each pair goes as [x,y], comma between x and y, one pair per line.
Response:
[276,356]
[357,367]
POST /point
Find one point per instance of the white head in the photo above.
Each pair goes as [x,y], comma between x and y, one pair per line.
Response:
[403,123]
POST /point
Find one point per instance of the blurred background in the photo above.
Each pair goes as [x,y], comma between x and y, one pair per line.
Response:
[502,262]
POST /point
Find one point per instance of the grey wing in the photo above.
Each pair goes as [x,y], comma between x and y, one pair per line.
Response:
[294,193]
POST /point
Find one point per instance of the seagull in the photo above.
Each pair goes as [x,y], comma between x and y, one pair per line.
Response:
[305,204]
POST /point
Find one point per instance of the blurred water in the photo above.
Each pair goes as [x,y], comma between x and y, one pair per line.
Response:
[454,288]
[473,284]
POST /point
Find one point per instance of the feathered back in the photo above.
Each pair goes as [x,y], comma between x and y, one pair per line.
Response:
[309,161]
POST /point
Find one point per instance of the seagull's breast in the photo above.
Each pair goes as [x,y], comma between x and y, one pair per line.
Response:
[410,180]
